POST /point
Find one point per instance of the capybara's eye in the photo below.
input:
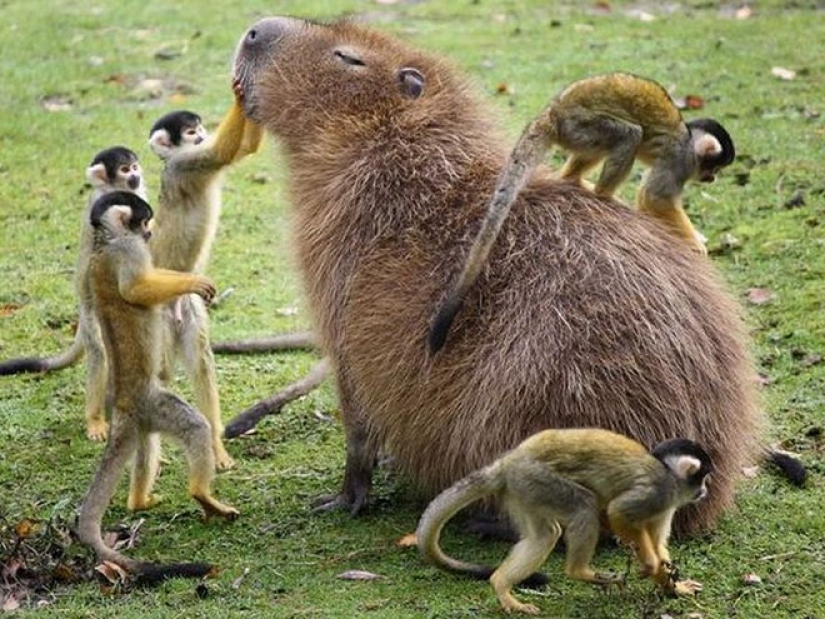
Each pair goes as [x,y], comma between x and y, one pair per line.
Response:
[349,58]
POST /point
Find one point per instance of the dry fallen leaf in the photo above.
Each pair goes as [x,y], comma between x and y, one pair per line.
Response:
[57,103]
[743,12]
[7,309]
[237,582]
[751,579]
[112,572]
[10,603]
[410,540]
[750,472]
[503,89]
[25,528]
[759,296]
[358,575]
[783,74]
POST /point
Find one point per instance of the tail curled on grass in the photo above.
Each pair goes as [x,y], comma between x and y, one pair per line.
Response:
[34,365]
[476,485]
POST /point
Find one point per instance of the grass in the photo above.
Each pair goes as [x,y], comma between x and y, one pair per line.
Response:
[91,62]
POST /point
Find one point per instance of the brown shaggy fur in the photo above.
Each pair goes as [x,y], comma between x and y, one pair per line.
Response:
[587,314]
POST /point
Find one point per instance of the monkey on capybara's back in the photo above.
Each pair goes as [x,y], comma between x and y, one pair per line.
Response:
[587,314]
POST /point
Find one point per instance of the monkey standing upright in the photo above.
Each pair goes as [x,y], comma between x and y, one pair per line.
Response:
[113,169]
[560,481]
[187,219]
[127,292]
[618,117]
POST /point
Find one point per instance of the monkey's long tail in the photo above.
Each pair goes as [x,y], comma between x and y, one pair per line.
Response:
[793,468]
[23,365]
[476,485]
[302,340]
[527,154]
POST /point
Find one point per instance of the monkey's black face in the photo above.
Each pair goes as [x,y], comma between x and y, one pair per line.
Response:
[708,176]
[702,491]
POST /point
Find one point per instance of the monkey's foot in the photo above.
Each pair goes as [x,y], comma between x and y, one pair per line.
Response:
[510,604]
[97,429]
[213,507]
[223,461]
[603,579]
[685,587]
[140,503]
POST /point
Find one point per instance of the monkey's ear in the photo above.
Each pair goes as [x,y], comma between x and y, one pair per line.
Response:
[96,175]
[161,143]
[707,146]
[411,82]
[115,217]
[684,466]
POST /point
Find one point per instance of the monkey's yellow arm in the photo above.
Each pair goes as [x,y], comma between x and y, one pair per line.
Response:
[252,136]
[229,136]
[157,286]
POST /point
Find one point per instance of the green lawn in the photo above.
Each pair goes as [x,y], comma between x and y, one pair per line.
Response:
[78,77]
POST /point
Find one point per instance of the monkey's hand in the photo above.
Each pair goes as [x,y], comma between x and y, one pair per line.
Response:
[237,88]
[204,288]
[700,243]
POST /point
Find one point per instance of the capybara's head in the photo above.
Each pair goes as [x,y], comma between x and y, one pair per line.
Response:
[339,75]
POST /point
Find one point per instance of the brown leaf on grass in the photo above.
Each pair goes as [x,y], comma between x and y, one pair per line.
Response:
[113,573]
[358,575]
[7,309]
[117,78]
[603,6]
[25,528]
[694,102]
[503,89]
[759,296]
[410,540]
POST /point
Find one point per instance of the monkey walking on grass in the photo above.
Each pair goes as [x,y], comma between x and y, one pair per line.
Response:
[558,482]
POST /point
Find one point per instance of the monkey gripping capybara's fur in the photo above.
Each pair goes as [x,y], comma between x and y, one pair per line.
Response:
[587,314]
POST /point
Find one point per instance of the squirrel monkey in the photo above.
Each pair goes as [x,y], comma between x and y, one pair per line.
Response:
[113,169]
[618,118]
[127,292]
[186,223]
[559,482]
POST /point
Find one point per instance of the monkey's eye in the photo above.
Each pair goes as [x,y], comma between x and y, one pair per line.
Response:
[349,59]
[125,169]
